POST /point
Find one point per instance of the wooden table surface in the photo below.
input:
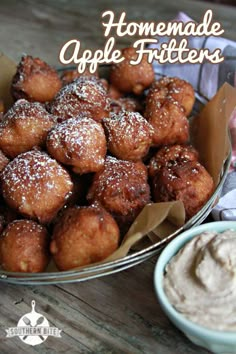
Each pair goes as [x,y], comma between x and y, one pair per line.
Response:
[117,313]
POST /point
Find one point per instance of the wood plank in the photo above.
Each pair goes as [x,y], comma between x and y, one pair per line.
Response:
[114,314]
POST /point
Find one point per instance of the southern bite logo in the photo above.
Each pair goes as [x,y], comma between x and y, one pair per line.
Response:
[33,328]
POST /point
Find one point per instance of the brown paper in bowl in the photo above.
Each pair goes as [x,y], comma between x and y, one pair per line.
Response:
[209,131]
[209,134]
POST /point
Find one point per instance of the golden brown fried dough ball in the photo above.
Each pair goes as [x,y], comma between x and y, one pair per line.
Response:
[83,236]
[171,156]
[36,185]
[129,78]
[24,127]
[189,182]
[129,135]
[3,161]
[177,89]
[121,188]
[35,80]
[85,96]
[168,121]
[24,247]
[129,104]
[80,143]
[70,75]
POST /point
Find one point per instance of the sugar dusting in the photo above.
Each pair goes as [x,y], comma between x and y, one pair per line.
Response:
[29,226]
[82,95]
[79,137]
[121,179]
[23,109]
[171,89]
[32,174]
[130,126]
[170,156]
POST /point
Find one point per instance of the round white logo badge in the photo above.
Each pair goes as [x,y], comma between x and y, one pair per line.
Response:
[33,328]
[33,320]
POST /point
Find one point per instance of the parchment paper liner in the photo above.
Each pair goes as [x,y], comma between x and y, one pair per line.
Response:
[209,134]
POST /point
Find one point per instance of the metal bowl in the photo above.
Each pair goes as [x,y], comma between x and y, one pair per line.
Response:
[96,271]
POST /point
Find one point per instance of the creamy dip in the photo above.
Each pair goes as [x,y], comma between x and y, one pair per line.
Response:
[200,281]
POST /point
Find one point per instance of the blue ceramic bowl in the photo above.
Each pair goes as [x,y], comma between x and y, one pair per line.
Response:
[215,341]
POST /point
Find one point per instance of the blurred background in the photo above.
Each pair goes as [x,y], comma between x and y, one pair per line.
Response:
[226,2]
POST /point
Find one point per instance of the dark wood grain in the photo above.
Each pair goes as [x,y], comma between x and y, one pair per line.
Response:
[118,313]
[115,314]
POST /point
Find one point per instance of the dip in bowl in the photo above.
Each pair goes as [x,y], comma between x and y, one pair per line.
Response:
[212,270]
